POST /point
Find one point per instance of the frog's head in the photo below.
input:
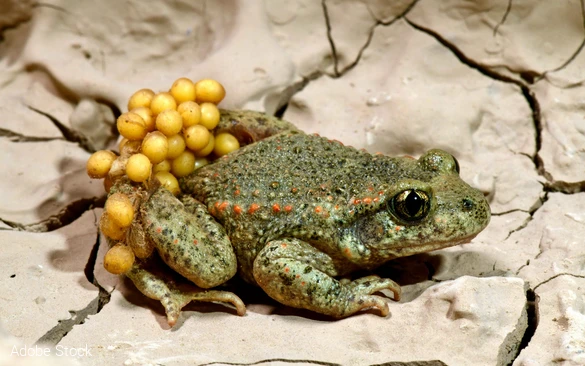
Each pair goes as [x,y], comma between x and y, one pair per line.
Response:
[429,208]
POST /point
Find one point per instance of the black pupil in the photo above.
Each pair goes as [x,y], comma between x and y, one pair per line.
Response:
[413,203]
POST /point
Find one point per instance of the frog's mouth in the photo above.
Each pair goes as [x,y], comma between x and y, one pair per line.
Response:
[412,248]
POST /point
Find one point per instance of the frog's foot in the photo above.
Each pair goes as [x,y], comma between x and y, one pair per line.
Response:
[296,274]
[174,298]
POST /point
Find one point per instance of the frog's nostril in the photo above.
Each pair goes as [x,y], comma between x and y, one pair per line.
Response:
[468,204]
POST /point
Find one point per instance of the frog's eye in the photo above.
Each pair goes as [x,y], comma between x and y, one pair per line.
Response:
[410,205]
[457,169]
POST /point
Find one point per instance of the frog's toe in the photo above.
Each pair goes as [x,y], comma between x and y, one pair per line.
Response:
[174,298]
[371,284]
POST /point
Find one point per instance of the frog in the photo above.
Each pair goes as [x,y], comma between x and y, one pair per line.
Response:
[297,214]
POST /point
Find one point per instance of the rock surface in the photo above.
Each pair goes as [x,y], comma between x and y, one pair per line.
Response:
[497,83]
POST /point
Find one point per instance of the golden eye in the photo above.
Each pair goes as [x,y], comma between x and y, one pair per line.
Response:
[410,205]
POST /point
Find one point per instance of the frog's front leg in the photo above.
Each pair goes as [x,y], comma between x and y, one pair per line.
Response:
[296,274]
[173,297]
[188,239]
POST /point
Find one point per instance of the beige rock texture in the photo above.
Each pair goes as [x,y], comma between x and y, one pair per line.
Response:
[498,83]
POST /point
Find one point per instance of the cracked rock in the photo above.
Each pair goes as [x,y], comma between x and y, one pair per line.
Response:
[42,277]
[458,321]
[560,335]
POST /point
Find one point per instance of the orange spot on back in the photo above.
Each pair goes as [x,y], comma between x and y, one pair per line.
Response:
[283,245]
[253,208]
[298,276]
[303,283]
[237,192]
[276,207]
[223,206]
[279,147]
[367,200]
[288,208]
[159,229]
[237,209]
[195,242]
[318,209]
[380,193]
[287,270]
[357,201]
[376,199]
[398,228]
[175,241]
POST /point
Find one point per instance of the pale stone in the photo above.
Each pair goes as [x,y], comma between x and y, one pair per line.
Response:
[560,334]
[55,178]
[49,266]
[458,321]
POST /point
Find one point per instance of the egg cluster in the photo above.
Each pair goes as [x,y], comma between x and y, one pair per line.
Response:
[166,135]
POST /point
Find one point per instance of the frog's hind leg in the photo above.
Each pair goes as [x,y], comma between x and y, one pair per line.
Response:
[188,239]
[174,298]
[295,273]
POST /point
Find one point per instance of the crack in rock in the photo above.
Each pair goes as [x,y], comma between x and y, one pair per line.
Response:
[558,275]
[69,134]
[531,314]
[289,92]
[18,137]
[63,327]
[67,215]
[538,204]
[504,17]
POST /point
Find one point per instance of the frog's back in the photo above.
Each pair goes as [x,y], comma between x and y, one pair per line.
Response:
[289,183]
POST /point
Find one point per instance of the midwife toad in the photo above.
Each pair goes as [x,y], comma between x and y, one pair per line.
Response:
[292,212]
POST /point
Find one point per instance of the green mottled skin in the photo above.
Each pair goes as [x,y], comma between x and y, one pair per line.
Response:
[293,211]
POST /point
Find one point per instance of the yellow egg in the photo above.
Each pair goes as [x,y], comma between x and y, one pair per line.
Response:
[183,165]
[161,102]
[155,146]
[209,90]
[138,168]
[197,137]
[190,112]
[208,149]
[201,162]
[183,89]
[176,146]
[163,166]
[147,117]
[169,122]
[225,143]
[169,182]
[209,115]
[109,228]
[119,259]
[120,210]
[131,126]
[99,163]
[141,98]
